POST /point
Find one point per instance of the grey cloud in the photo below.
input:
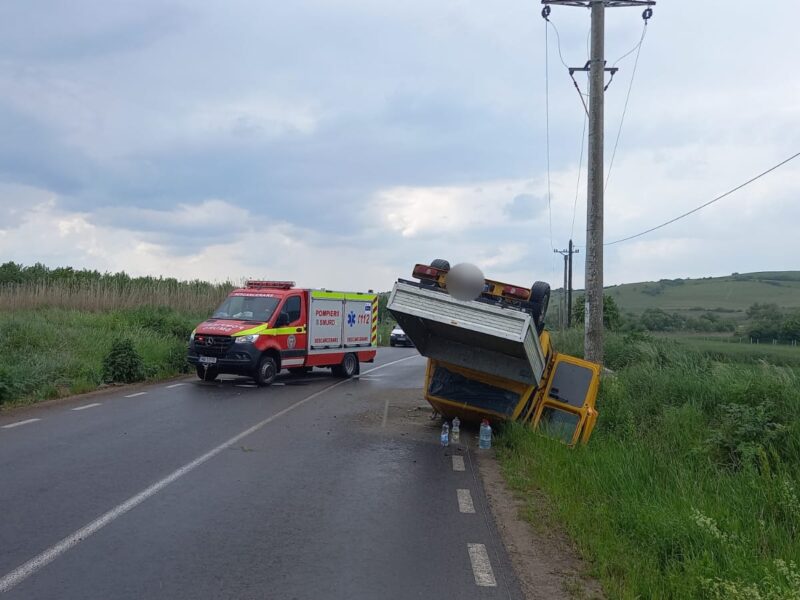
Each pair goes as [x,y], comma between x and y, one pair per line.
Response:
[525,207]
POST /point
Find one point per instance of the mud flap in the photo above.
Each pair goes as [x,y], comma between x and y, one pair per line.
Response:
[566,411]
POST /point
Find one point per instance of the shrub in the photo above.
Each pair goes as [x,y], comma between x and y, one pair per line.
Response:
[122,364]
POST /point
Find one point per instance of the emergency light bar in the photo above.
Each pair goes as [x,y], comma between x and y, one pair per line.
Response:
[280,285]
[426,272]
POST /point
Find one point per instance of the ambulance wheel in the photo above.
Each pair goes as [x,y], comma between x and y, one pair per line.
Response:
[207,373]
[540,298]
[266,372]
[348,368]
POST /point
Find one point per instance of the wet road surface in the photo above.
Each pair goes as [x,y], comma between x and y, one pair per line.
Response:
[316,488]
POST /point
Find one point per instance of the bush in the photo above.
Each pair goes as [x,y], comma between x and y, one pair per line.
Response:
[746,435]
[122,364]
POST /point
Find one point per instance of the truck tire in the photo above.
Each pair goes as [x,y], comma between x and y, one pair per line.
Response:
[267,371]
[440,263]
[540,298]
[207,373]
[348,368]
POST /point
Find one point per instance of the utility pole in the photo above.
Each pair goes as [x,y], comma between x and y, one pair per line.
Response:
[567,299]
[572,250]
[593,319]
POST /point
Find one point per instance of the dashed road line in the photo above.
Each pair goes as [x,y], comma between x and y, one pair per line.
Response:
[47,556]
[174,385]
[85,406]
[18,423]
[481,567]
[136,394]
[385,413]
[458,462]
[465,504]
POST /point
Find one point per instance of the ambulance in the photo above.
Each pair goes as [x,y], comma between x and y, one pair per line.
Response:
[268,326]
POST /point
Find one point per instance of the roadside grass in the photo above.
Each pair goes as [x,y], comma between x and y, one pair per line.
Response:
[690,485]
[53,352]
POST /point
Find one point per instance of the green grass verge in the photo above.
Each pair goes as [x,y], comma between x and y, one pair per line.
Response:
[48,353]
[690,485]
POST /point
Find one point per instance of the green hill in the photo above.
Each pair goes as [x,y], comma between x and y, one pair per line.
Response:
[728,296]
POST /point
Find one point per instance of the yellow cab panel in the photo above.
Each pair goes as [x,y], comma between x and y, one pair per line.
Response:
[566,409]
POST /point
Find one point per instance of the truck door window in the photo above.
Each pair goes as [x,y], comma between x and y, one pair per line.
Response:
[292,308]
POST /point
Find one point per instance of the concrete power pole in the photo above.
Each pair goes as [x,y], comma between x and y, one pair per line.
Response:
[593,323]
[566,301]
[572,250]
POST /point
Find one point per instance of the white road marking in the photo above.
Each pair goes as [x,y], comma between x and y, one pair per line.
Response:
[278,384]
[85,406]
[174,385]
[481,567]
[136,394]
[394,362]
[18,423]
[465,504]
[247,385]
[458,462]
[385,413]
[29,568]
[22,572]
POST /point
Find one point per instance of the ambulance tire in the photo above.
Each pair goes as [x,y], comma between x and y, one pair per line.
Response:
[348,368]
[207,373]
[540,298]
[266,372]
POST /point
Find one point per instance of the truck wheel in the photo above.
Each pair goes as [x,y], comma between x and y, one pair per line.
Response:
[266,372]
[440,263]
[348,368]
[207,373]
[540,298]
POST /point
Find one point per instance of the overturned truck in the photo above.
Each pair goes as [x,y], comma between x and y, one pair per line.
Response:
[491,357]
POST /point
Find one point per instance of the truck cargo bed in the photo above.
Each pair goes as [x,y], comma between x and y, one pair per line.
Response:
[477,334]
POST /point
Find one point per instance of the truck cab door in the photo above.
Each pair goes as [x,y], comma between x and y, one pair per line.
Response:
[567,409]
[293,326]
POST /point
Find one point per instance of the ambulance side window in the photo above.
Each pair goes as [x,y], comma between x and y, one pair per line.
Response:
[292,308]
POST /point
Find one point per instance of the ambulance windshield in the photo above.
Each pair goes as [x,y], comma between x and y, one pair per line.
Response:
[247,308]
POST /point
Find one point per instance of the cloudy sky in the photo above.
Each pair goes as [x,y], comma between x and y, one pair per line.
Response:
[338,142]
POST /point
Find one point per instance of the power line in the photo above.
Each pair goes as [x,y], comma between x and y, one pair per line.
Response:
[547,124]
[638,49]
[720,197]
[631,51]
[578,183]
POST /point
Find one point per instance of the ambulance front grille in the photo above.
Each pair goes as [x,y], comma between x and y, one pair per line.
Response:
[213,345]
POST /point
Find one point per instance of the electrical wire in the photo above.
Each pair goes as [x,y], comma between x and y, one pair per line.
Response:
[547,126]
[638,49]
[710,202]
[578,183]
[583,141]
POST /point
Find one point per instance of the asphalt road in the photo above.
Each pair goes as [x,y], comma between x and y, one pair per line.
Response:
[311,489]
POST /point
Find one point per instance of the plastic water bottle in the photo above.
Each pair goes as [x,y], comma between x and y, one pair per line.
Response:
[456,430]
[485,440]
[445,438]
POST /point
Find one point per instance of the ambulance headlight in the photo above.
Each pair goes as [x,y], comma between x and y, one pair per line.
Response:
[247,339]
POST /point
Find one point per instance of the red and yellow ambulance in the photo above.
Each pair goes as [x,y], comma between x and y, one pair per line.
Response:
[268,326]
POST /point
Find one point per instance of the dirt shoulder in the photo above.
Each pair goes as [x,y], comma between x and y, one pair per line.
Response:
[544,559]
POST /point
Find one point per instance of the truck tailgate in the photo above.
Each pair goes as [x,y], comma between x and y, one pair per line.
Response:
[474,334]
